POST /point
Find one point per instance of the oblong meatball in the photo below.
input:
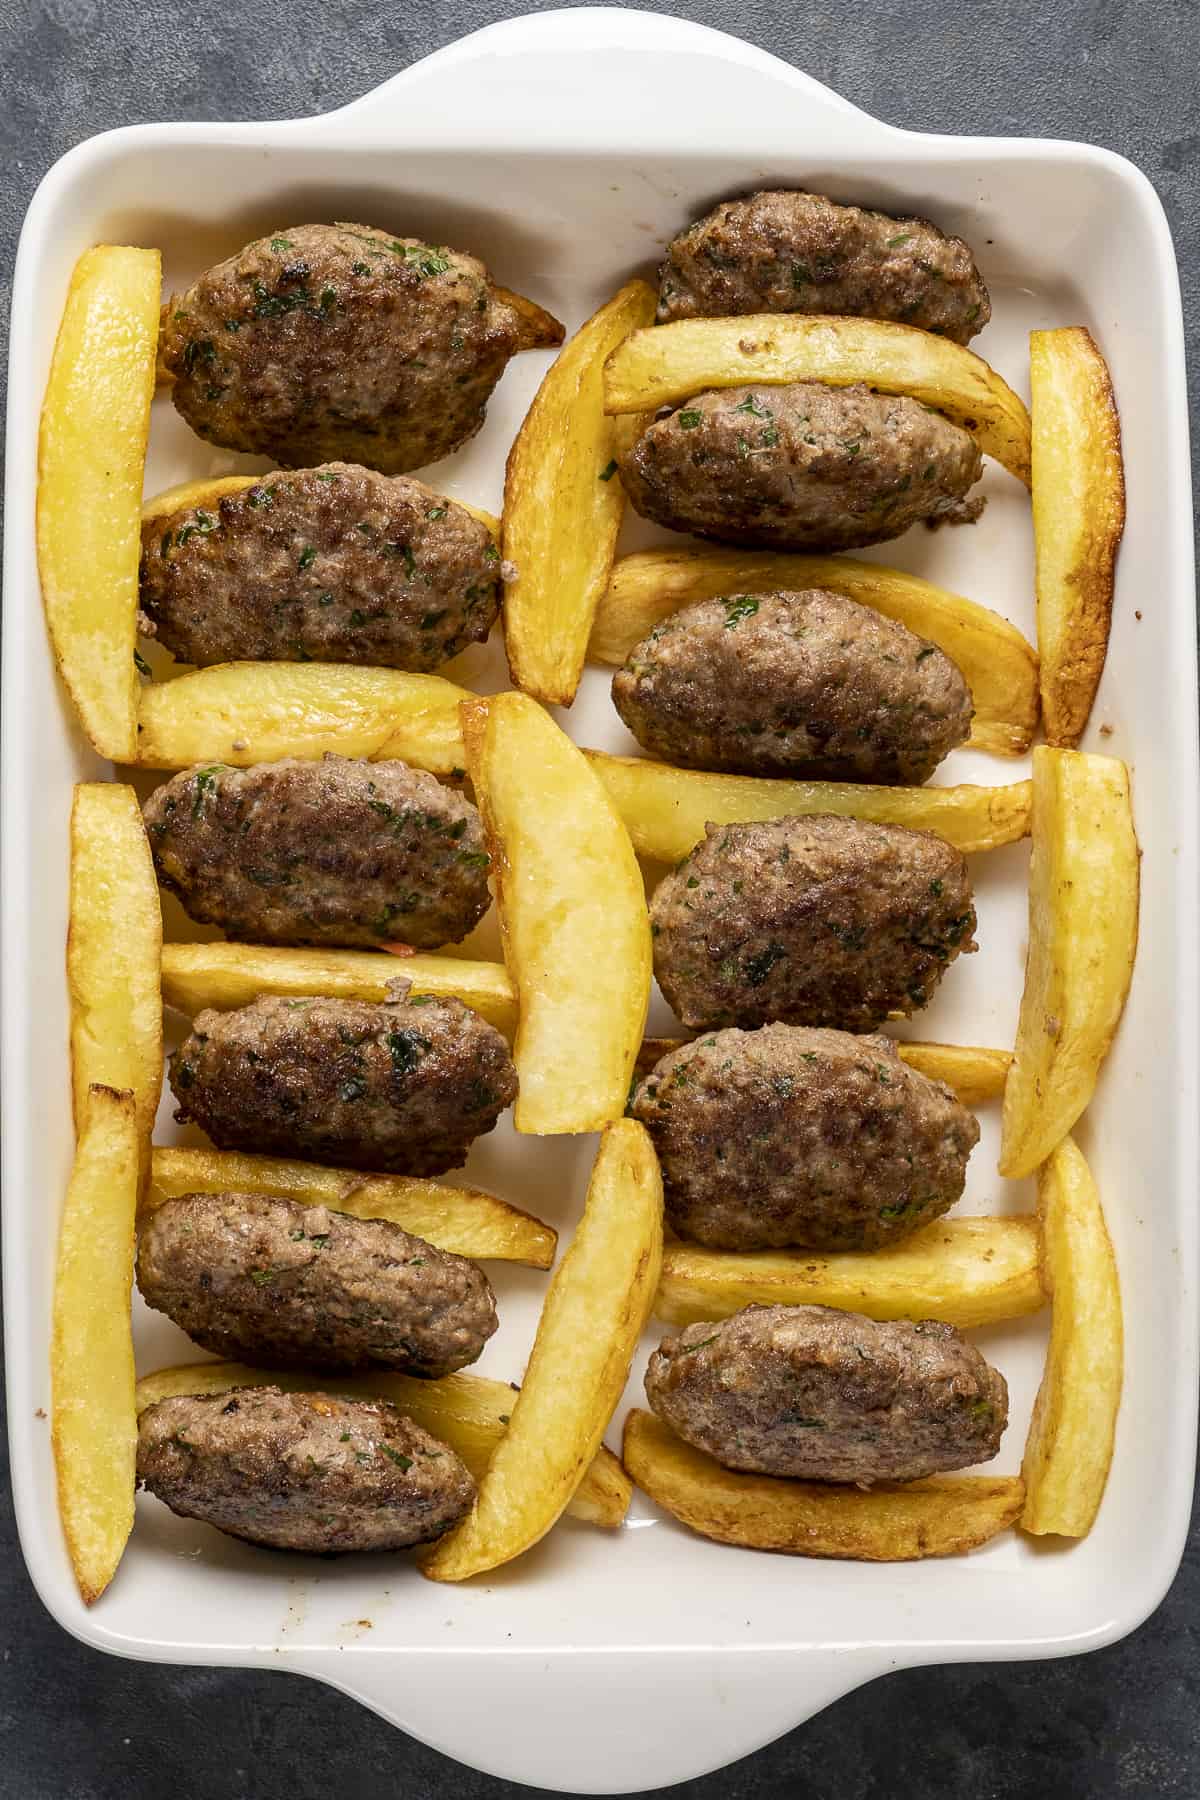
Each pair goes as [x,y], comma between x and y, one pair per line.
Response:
[818,920]
[301,1471]
[341,341]
[808,1392]
[333,852]
[402,1086]
[337,564]
[788,251]
[807,683]
[799,467]
[267,1280]
[790,1135]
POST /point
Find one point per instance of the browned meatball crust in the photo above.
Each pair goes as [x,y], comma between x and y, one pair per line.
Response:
[340,341]
[816,920]
[266,1280]
[301,1471]
[799,467]
[820,1395]
[334,852]
[807,684]
[796,1136]
[403,1087]
[338,564]
[788,251]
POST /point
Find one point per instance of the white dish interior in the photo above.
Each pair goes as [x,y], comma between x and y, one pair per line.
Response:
[603,1663]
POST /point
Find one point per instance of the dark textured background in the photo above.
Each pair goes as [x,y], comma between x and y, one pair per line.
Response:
[78,1726]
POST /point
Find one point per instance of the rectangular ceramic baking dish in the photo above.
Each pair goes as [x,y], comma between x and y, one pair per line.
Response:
[565,149]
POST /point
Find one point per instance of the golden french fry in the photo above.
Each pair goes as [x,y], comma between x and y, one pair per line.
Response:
[999,666]
[1070,1443]
[91,458]
[966,1272]
[227,975]
[666,809]
[251,712]
[975,1075]
[572,911]
[540,330]
[1083,924]
[939,1517]
[562,507]
[464,1220]
[114,943]
[592,1318]
[93,1421]
[669,363]
[1078,519]
[470,1413]
[187,494]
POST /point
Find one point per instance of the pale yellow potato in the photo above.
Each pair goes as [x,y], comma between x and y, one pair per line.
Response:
[976,1075]
[998,665]
[539,330]
[91,460]
[470,1413]
[666,809]
[1078,520]
[227,975]
[573,915]
[591,1321]
[250,712]
[465,1220]
[114,945]
[670,363]
[93,1420]
[205,492]
[941,1516]
[1083,925]
[1070,1443]
[966,1272]
[563,505]
[187,494]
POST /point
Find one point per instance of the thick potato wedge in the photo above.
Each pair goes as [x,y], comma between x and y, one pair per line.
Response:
[469,1412]
[572,911]
[975,1075]
[1083,923]
[208,493]
[999,666]
[93,1420]
[195,493]
[965,1272]
[227,975]
[464,1220]
[540,330]
[114,943]
[939,1517]
[1078,519]
[591,1321]
[666,809]
[1070,1442]
[252,712]
[91,459]
[670,363]
[562,508]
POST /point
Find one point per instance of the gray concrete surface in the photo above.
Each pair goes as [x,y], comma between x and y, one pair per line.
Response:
[1120,1724]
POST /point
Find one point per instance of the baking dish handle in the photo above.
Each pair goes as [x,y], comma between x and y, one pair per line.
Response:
[640,75]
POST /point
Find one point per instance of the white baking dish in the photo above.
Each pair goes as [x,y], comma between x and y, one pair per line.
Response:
[565,149]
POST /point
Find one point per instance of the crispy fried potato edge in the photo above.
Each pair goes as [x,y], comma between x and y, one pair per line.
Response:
[942,1516]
